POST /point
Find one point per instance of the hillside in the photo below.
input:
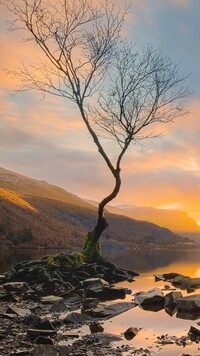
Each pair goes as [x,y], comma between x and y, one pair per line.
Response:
[36,214]
[177,221]
[174,220]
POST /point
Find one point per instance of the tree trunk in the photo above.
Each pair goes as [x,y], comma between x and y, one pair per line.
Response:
[91,246]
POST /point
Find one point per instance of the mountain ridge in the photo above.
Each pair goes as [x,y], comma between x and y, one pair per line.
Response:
[59,219]
[175,220]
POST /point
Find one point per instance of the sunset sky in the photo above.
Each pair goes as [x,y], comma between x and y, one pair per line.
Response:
[45,139]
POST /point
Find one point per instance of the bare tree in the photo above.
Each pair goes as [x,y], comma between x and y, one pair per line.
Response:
[119,91]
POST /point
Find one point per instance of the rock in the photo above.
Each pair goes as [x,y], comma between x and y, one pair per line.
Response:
[94,284]
[2,277]
[171,310]
[180,281]
[130,333]
[96,327]
[43,340]
[45,350]
[107,293]
[9,316]
[170,302]
[184,282]
[31,319]
[152,300]
[194,331]
[109,311]
[171,298]
[105,338]
[16,287]
[171,276]
[40,332]
[186,315]
[77,318]
[189,303]
[18,311]
[73,301]
[22,352]
[44,324]
[51,299]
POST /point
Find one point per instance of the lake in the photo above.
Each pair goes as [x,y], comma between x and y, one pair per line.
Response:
[152,324]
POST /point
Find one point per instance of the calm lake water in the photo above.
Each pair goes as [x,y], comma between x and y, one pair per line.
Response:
[153,324]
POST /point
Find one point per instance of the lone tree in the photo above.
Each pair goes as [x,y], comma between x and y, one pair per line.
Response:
[119,92]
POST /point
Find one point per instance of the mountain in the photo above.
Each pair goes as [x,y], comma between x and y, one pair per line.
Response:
[36,214]
[174,220]
[177,221]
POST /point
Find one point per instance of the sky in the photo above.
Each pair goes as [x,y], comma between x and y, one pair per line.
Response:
[45,138]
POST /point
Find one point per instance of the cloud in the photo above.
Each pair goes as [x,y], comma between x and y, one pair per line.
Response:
[46,139]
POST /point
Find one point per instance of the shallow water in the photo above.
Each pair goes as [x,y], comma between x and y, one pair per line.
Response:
[153,324]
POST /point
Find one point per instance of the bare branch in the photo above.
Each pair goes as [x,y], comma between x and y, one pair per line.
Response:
[120,92]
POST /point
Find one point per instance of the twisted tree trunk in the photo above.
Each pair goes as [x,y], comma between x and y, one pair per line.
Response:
[91,246]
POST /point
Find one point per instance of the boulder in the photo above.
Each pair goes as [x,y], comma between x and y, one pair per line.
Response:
[179,280]
[194,334]
[94,284]
[188,315]
[171,298]
[170,302]
[71,302]
[189,304]
[107,293]
[77,318]
[109,311]
[16,287]
[152,300]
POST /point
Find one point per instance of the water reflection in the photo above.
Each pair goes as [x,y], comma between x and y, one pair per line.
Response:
[9,258]
[143,260]
[146,260]
[153,324]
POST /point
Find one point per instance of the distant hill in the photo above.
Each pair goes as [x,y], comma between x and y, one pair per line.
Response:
[36,214]
[174,220]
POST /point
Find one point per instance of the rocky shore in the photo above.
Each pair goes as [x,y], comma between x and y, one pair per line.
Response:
[45,306]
